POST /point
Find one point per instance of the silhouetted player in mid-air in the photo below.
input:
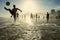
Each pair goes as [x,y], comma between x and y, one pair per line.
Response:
[47,16]
[13,12]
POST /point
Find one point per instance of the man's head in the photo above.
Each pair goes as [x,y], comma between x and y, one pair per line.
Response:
[14,6]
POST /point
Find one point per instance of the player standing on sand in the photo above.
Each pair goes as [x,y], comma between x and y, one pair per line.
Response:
[13,12]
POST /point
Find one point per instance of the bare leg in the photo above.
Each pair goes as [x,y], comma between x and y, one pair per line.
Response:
[14,18]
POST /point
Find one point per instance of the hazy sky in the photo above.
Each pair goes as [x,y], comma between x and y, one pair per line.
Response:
[30,5]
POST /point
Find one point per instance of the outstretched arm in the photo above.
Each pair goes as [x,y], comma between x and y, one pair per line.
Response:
[19,10]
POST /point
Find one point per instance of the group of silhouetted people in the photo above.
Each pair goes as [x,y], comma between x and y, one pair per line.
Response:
[15,15]
[13,12]
[47,16]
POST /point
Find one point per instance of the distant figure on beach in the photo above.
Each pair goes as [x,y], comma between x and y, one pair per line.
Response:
[31,15]
[13,12]
[36,17]
[47,16]
[17,15]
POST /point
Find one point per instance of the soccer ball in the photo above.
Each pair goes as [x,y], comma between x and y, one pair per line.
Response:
[7,3]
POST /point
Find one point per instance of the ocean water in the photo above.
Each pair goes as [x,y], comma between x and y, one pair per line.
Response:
[29,29]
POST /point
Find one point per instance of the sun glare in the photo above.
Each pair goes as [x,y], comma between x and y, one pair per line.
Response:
[29,6]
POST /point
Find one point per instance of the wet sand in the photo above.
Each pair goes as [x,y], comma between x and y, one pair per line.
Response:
[41,30]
